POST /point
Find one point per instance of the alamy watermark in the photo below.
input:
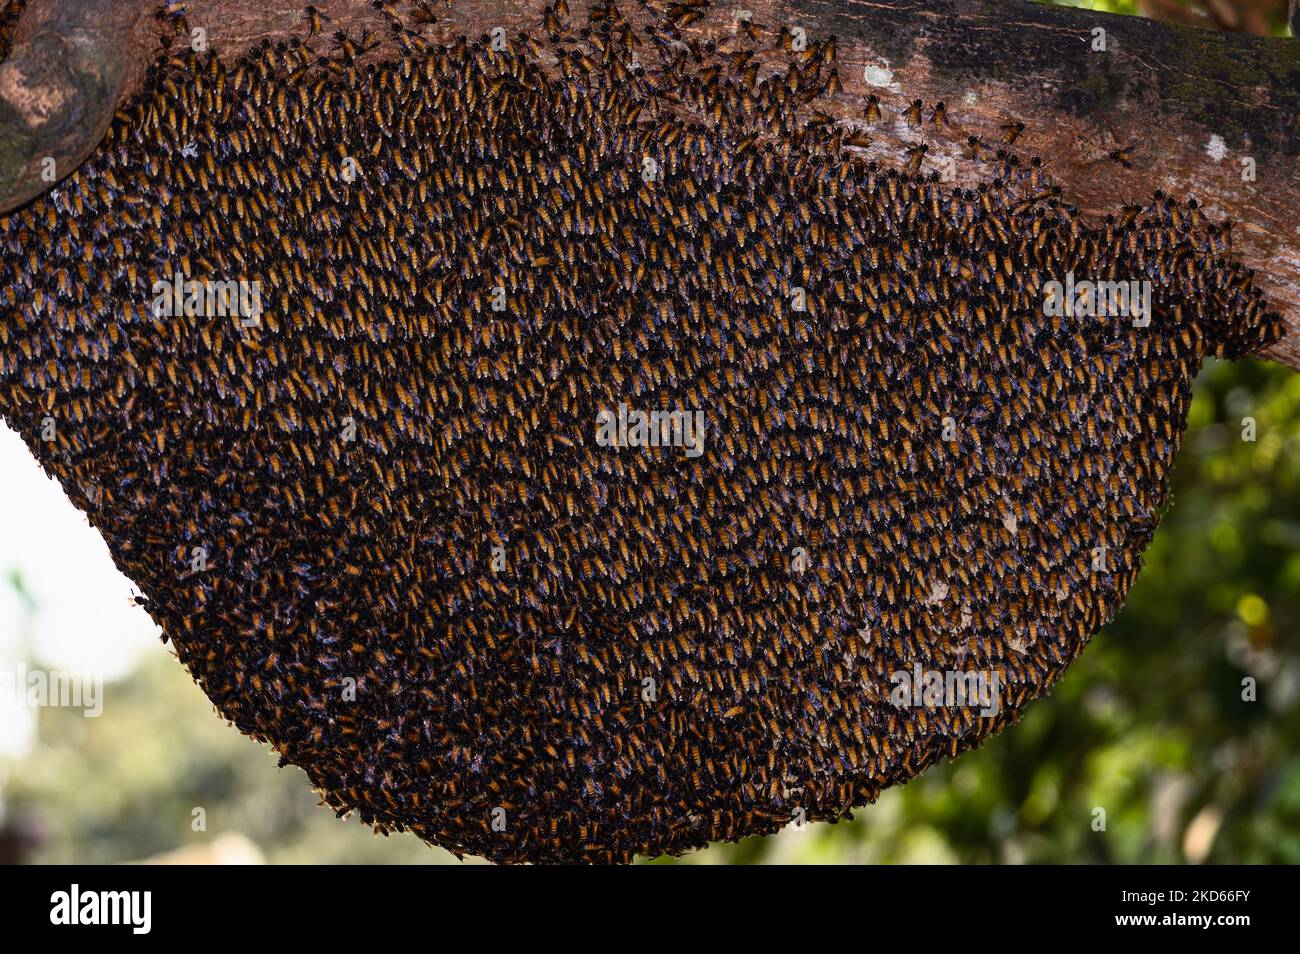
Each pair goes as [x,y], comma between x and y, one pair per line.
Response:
[133,909]
[663,428]
[940,688]
[212,299]
[41,689]
[1099,299]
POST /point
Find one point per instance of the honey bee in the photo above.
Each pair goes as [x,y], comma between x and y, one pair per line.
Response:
[1011,131]
[314,20]
[1122,156]
[422,13]
[914,157]
[871,111]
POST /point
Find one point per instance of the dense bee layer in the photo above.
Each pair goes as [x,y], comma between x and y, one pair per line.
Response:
[378,523]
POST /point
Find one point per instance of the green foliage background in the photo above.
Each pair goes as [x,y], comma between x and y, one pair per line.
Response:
[1106,6]
[1149,726]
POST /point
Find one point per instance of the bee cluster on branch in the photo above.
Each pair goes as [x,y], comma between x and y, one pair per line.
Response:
[377,526]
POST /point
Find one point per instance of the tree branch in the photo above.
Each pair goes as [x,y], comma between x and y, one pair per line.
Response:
[59,87]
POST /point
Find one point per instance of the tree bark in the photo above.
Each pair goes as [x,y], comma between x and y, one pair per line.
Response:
[59,86]
[1194,113]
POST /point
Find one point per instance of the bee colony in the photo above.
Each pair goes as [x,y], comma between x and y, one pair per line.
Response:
[375,521]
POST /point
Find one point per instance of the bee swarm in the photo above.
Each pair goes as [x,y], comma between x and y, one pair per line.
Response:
[425,583]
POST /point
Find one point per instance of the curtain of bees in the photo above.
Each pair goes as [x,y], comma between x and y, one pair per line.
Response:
[402,518]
